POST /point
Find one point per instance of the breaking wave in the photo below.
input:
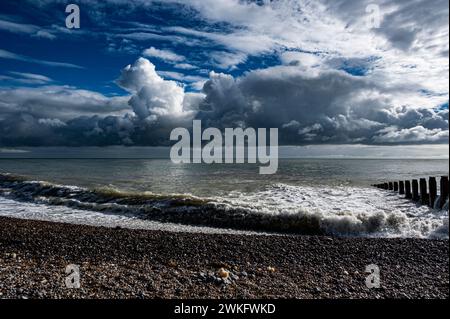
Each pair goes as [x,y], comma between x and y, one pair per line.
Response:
[280,208]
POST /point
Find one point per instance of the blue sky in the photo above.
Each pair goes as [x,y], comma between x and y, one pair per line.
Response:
[100,50]
[317,71]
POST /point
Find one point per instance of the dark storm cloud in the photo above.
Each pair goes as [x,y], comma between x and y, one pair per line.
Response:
[59,115]
[329,106]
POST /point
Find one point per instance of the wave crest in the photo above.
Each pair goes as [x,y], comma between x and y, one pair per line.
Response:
[341,211]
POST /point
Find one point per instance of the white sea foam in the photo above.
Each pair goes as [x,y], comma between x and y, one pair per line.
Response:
[347,210]
[42,212]
[337,210]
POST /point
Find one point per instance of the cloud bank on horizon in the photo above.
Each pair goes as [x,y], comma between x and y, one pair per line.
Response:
[315,70]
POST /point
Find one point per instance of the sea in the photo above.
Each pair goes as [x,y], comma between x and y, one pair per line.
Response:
[307,196]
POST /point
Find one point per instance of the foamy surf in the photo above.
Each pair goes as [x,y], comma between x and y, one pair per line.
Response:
[280,208]
[345,210]
[42,212]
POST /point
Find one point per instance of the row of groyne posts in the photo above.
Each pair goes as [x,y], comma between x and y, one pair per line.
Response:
[418,190]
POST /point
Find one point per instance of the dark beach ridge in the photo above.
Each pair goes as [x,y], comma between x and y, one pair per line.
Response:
[126,263]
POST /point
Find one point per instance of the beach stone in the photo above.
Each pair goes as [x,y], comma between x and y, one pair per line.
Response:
[223,273]
[142,271]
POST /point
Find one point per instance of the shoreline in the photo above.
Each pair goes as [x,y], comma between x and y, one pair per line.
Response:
[131,263]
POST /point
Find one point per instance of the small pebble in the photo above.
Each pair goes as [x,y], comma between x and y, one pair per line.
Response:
[223,273]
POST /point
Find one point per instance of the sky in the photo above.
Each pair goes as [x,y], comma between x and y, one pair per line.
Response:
[322,71]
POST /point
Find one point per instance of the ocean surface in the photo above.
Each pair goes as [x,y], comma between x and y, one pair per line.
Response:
[306,196]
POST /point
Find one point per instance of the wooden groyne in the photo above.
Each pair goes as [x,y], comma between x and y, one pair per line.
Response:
[422,191]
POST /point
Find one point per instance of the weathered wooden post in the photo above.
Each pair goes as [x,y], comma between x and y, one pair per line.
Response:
[391,186]
[423,192]
[415,190]
[386,186]
[433,191]
[401,190]
[444,191]
[396,186]
[408,189]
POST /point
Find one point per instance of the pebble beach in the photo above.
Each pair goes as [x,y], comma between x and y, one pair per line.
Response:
[124,263]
